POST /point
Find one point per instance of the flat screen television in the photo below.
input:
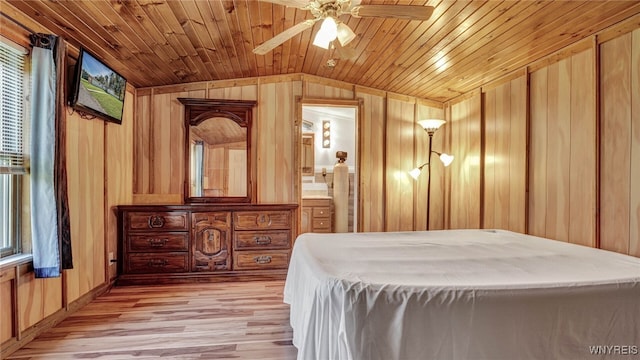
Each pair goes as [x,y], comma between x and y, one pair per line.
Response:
[97,89]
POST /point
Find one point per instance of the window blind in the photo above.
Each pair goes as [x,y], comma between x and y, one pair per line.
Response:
[12,155]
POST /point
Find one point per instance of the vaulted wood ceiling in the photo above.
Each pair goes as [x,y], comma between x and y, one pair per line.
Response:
[463,45]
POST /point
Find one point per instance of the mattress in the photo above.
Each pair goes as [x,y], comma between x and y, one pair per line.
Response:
[460,294]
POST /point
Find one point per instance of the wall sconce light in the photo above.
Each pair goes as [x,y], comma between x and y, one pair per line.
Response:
[326,134]
[430,126]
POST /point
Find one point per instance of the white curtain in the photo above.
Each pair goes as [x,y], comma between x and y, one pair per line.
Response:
[44,218]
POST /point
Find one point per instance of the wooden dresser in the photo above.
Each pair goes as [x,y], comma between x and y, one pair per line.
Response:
[204,242]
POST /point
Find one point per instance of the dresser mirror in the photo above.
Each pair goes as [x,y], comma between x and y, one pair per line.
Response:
[218,153]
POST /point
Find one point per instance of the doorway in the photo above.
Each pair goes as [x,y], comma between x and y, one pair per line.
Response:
[333,129]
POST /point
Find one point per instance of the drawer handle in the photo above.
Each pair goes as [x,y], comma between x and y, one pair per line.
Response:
[157,263]
[262,240]
[156,221]
[156,243]
[262,259]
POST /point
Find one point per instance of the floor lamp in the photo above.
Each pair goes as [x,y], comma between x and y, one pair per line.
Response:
[430,126]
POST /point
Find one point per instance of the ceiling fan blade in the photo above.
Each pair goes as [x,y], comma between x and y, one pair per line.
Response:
[275,41]
[409,12]
[301,4]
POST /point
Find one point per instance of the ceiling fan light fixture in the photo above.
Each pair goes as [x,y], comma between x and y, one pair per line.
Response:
[345,34]
[330,11]
[327,33]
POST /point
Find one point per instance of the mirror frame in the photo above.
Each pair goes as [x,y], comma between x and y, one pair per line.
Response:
[198,110]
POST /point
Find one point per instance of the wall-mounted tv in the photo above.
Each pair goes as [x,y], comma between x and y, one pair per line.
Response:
[96,89]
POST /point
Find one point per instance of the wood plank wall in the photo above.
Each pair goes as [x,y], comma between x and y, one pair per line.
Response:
[277,137]
[98,159]
[99,163]
[85,169]
[464,182]
[583,147]
[119,145]
[620,144]
[399,194]
[505,156]
[562,163]
[387,131]
[372,162]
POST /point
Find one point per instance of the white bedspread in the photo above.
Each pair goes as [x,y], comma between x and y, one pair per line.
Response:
[459,294]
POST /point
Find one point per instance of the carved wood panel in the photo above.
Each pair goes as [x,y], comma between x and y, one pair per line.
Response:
[211,241]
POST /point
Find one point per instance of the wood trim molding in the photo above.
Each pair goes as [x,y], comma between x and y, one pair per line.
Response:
[231,83]
[370,91]
[179,88]
[619,29]
[157,199]
[401,97]
[562,54]
[463,97]
[527,148]
[144,91]
[430,103]
[332,102]
[596,78]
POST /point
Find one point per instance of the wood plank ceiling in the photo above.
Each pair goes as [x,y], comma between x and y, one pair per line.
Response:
[462,46]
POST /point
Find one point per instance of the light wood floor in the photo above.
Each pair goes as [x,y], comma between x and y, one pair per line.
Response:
[243,320]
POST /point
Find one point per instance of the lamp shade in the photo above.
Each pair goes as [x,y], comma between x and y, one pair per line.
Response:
[446,159]
[415,173]
[327,33]
[345,34]
[431,125]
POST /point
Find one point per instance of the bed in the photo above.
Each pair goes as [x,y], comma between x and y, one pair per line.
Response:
[460,294]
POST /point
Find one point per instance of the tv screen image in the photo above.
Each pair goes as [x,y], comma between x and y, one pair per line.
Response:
[98,89]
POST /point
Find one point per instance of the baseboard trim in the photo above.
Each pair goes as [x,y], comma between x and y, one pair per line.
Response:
[12,345]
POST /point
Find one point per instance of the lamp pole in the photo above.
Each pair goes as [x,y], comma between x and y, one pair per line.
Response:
[429,178]
[430,126]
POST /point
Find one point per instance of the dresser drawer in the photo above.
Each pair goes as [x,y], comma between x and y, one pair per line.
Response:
[161,221]
[262,220]
[321,212]
[261,240]
[161,241]
[252,260]
[157,263]
[321,225]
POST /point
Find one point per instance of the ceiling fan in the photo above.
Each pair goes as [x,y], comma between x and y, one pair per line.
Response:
[332,27]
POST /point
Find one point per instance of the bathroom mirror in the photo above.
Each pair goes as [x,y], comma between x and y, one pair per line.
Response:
[219,166]
[307,156]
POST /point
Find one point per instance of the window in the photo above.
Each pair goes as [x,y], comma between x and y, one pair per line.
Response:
[13,170]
